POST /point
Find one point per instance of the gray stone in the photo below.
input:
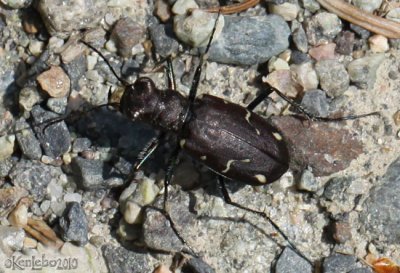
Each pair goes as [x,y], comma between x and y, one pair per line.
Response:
[121,260]
[93,174]
[336,187]
[27,141]
[158,234]
[17,4]
[62,17]
[363,71]
[57,105]
[126,34]
[367,5]
[290,262]
[75,70]
[34,176]
[339,263]
[308,182]
[322,28]
[11,238]
[163,39]
[55,138]
[74,224]
[362,270]
[6,166]
[381,209]
[197,265]
[81,144]
[250,40]
[316,103]
[300,39]
[333,77]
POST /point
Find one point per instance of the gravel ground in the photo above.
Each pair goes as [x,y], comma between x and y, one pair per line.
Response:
[63,184]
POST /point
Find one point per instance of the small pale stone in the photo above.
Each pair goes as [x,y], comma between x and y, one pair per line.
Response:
[396,118]
[287,10]
[323,52]
[162,10]
[132,212]
[30,242]
[91,61]
[72,197]
[19,216]
[36,47]
[6,146]
[111,46]
[305,75]
[378,43]
[277,64]
[162,269]
[55,82]
[196,28]
[181,7]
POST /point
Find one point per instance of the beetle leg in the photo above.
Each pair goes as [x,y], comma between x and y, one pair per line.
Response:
[229,201]
[170,74]
[261,97]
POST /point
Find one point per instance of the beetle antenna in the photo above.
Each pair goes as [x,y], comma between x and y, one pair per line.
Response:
[121,80]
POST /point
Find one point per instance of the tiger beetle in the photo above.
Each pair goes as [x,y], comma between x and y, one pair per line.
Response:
[231,140]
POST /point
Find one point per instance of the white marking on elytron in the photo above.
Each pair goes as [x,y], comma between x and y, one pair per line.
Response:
[261,178]
[203,157]
[228,165]
[225,102]
[247,117]
[200,96]
[277,136]
[182,142]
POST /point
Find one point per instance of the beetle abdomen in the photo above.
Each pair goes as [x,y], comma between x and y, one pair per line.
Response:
[234,142]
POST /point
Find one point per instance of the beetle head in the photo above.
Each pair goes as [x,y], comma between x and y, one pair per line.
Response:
[140,100]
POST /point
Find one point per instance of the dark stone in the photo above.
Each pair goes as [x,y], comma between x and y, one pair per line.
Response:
[345,42]
[336,188]
[163,38]
[197,265]
[75,70]
[317,145]
[380,216]
[93,174]
[81,144]
[74,224]
[34,176]
[299,57]
[300,39]
[55,138]
[316,102]
[121,260]
[290,262]
[27,141]
[339,263]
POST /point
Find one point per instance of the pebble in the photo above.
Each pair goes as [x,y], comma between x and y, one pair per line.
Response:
[363,71]
[162,269]
[90,174]
[287,10]
[311,5]
[197,265]
[181,7]
[6,146]
[396,118]
[345,42]
[17,4]
[362,270]
[333,77]
[72,197]
[318,145]
[257,38]
[9,197]
[57,105]
[11,238]
[162,10]
[34,176]
[316,102]
[305,75]
[342,232]
[119,259]
[308,182]
[277,64]
[162,37]
[300,39]
[195,29]
[126,33]
[74,224]
[323,52]
[290,262]
[283,80]
[75,69]
[36,47]
[19,216]
[72,51]
[55,139]
[62,18]
[30,243]
[55,82]
[28,97]
[322,28]
[81,144]
[6,166]
[338,263]
[378,43]
[27,141]
[368,5]
[158,234]
[380,215]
